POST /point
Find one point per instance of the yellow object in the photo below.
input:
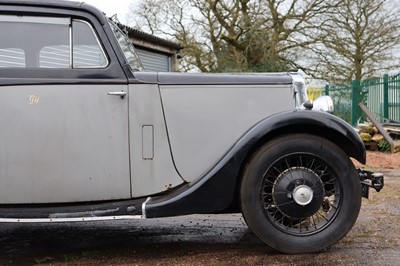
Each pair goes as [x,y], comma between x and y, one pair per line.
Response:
[313,92]
[365,137]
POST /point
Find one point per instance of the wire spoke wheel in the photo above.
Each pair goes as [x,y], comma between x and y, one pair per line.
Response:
[299,194]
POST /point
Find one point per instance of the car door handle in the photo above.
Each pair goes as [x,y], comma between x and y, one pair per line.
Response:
[121,94]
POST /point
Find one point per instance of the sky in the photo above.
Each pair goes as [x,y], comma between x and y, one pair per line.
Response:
[111,7]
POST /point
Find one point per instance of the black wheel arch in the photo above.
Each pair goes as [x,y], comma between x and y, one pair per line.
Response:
[315,123]
[218,190]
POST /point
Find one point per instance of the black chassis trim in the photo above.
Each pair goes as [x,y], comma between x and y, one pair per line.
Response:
[217,190]
[115,73]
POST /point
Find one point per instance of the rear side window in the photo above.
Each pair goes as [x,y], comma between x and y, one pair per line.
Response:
[40,42]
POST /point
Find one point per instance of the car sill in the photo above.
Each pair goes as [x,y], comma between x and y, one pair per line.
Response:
[76,219]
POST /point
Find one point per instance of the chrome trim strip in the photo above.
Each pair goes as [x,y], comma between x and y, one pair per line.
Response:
[144,207]
[61,220]
[34,19]
[71,48]
[107,62]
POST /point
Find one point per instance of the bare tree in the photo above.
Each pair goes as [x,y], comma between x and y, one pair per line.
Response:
[357,41]
[336,40]
[236,35]
[179,21]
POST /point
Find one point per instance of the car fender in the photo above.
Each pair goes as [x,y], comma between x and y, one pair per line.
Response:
[215,191]
[316,123]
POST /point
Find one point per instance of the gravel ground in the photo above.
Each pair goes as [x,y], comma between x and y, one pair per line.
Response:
[381,161]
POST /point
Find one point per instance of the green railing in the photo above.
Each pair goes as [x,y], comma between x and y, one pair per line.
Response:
[380,95]
[341,97]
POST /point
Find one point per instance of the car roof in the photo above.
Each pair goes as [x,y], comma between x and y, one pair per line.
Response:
[50,3]
[20,4]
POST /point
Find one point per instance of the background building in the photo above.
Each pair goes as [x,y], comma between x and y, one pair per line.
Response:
[156,54]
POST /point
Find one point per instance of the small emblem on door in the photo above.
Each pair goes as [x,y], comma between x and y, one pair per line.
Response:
[33,99]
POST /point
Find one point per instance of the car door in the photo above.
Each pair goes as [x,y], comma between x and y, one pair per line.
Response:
[63,116]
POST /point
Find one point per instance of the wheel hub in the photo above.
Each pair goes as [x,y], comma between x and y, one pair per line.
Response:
[303,195]
[298,192]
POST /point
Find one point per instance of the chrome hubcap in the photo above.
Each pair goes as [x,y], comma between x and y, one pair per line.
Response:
[302,195]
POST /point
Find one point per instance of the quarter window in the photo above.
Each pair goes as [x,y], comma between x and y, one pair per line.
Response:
[38,42]
[86,49]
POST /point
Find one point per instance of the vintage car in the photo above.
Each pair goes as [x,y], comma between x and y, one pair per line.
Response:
[87,135]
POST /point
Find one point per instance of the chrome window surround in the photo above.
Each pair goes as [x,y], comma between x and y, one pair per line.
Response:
[98,43]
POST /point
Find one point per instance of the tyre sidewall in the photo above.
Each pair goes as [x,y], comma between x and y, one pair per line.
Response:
[344,171]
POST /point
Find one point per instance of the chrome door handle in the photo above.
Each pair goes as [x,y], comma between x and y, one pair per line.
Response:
[121,94]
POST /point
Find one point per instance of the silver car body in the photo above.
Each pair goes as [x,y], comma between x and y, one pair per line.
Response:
[76,143]
[204,122]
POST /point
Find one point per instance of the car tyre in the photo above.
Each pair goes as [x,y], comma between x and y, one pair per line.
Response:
[300,193]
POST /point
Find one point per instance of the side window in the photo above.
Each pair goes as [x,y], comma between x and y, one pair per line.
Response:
[44,42]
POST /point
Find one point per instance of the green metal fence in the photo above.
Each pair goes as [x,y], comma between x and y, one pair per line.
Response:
[341,97]
[380,95]
[393,98]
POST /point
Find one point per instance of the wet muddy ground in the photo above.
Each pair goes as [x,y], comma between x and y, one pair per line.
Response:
[200,240]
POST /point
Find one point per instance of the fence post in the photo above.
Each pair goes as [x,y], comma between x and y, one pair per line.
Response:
[327,89]
[386,96]
[355,100]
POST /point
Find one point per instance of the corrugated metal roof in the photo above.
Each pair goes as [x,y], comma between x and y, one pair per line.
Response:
[138,34]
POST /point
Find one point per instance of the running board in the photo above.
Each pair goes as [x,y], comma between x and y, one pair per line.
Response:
[63,220]
[95,211]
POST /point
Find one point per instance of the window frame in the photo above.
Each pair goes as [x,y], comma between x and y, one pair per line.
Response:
[66,21]
[107,62]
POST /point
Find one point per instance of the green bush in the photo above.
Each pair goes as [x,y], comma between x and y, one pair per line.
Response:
[383,145]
